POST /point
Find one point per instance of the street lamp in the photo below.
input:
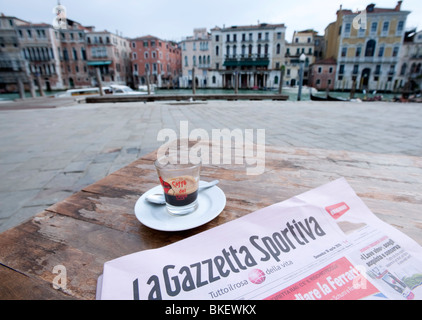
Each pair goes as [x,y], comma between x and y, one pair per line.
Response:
[302,61]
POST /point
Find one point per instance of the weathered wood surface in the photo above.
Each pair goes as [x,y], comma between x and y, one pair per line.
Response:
[185,97]
[98,223]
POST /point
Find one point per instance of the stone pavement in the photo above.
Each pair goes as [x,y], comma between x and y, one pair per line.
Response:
[48,154]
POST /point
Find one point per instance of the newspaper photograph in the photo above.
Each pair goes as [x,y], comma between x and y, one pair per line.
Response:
[324,244]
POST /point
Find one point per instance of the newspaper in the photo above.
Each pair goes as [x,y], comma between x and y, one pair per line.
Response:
[324,244]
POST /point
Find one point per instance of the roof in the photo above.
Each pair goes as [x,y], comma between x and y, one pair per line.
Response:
[326,61]
[372,9]
[252,27]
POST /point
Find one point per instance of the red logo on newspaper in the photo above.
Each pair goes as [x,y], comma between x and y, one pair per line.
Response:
[337,210]
[257,276]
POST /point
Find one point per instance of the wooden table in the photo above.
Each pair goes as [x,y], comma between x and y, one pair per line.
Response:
[98,223]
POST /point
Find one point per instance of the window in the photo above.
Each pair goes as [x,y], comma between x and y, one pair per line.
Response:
[319,69]
[356,69]
[146,55]
[66,55]
[385,27]
[133,44]
[374,27]
[395,51]
[400,27]
[278,48]
[403,69]
[217,50]
[370,48]
[381,51]
[347,28]
[330,70]
[83,53]
[134,55]
[75,54]
[344,52]
[217,38]
[358,51]
[29,33]
[186,61]
[378,69]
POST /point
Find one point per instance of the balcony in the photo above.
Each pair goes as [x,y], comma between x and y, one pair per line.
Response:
[247,60]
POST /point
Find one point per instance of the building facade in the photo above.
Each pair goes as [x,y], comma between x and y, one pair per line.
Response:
[367,56]
[110,53]
[157,59]
[72,54]
[13,66]
[322,74]
[306,42]
[410,65]
[249,57]
[196,53]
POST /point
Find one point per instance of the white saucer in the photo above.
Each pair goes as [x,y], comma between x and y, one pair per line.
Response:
[210,204]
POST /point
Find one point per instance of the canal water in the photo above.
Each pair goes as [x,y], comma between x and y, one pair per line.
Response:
[290,92]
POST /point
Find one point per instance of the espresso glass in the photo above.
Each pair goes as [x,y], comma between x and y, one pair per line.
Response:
[180,185]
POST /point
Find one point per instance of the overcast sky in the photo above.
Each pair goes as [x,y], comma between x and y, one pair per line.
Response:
[176,19]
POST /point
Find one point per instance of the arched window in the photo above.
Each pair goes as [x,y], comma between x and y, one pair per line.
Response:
[278,48]
[403,69]
[217,50]
[370,48]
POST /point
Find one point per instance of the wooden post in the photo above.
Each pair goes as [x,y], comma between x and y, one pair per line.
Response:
[21,89]
[193,81]
[280,85]
[352,91]
[40,85]
[148,84]
[32,88]
[100,85]
[236,82]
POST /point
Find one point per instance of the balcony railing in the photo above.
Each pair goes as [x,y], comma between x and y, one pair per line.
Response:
[260,60]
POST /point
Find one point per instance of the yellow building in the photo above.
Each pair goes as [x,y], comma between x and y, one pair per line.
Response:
[367,47]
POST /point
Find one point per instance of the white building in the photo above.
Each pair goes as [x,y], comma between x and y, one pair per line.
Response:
[196,53]
[251,54]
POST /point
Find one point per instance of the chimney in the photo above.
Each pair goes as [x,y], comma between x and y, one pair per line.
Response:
[398,6]
[370,7]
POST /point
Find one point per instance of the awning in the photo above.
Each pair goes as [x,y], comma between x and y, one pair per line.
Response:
[98,63]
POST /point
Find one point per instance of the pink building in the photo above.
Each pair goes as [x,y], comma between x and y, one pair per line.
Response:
[160,58]
[322,74]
